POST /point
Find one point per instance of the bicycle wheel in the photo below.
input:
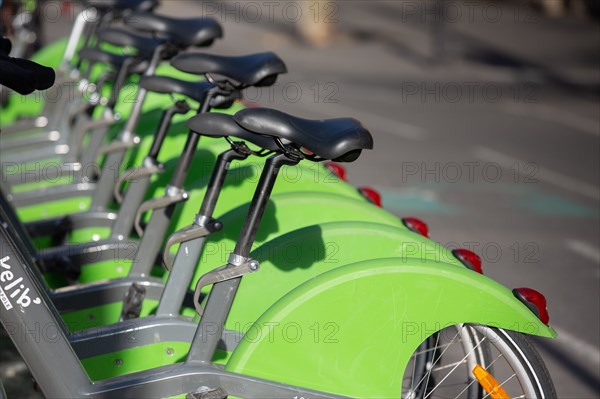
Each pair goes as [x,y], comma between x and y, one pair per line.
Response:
[444,366]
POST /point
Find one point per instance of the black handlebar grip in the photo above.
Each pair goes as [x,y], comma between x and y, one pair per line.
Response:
[13,76]
[5,46]
[44,76]
[22,75]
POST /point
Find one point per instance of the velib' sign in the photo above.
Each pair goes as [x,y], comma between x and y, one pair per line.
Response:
[12,288]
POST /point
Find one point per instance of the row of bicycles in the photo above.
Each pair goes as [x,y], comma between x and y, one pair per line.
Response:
[160,239]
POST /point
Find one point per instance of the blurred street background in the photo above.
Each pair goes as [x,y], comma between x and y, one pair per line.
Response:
[486,120]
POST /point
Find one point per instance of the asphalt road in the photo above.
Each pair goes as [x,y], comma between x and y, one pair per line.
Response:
[494,143]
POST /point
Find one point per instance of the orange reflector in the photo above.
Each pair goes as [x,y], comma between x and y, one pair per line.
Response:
[489,383]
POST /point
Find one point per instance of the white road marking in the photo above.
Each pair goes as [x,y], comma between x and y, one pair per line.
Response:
[557,115]
[549,176]
[583,350]
[378,122]
[584,250]
[371,121]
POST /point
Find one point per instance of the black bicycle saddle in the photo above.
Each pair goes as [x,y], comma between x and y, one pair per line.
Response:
[215,124]
[115,60]
[183,32]
[340,139]
[167,85]
[144,45]
[259,69]
[121,5]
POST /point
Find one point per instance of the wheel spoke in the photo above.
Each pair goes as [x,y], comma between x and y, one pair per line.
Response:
[467,370]
[504,382]
[447,366]
[447,375]
[431,349]
[473,381]
[435,360]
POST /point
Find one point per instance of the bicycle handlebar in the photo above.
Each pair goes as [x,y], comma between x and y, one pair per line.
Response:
[23,76]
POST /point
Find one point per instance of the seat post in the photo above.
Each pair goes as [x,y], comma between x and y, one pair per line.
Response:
[217,179]
[103,195]
[189,252]
[259,202]
[181,170]
[222,295]
[180,107]
[159,221]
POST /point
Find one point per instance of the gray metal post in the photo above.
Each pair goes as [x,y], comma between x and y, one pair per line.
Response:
[152,240]
[134,196]
[189,252]
[220,300]
[180,277]
[103,195]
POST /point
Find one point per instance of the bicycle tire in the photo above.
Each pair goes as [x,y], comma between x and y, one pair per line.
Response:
[500,352]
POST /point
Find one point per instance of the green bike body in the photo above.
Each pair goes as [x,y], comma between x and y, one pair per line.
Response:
[332,318]
[287,262]
[285,213]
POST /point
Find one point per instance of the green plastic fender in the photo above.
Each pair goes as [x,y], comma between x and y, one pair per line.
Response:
[286,262]
[282,217]
[287,212]
[294,258]
[351,331]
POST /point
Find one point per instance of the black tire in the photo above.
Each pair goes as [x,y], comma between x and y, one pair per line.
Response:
[536,365]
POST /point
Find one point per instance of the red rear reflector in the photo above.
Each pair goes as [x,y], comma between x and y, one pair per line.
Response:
[372,196]
[249,104]
[469,258]
[416,225]
[534,301]
[66,7]
[337,170]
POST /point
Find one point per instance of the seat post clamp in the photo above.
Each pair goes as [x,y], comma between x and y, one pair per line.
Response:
[151,167]
[202,227]
[173,195]
[237,266]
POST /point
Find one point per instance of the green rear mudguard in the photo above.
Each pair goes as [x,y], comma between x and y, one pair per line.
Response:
[291,259]
[286,263]
[351,331]
[286,212]
[379,224]
[294,261]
